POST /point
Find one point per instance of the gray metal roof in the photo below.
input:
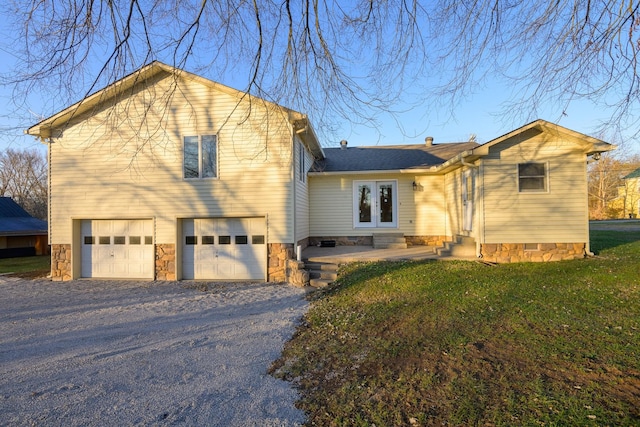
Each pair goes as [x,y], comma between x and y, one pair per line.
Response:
[15,221]
[392,157]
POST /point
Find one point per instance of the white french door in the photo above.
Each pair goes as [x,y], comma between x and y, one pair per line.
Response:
[375,204]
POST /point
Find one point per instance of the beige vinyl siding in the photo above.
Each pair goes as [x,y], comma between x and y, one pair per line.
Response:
[554,216]
[302,192]
[453,191]
[116,165]
[420,212]
[429,208]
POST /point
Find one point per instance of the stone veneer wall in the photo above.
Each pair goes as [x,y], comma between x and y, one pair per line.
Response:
[303,243]
[166,261]
[515,252]
[343,240]
[282,264]
[278,255]
[60,262]
[427,240]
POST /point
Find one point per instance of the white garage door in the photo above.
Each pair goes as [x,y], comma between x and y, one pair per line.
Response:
[117,249]
[224,249]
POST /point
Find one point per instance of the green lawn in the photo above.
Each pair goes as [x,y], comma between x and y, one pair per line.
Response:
[462,343]
[35,266]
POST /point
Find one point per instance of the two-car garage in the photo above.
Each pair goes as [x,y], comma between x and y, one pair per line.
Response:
[208,248]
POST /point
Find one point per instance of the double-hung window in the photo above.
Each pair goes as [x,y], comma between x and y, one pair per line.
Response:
[302,172]
[532,177]
[200,154]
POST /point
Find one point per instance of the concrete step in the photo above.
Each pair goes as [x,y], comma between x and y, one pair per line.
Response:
[315,265]
[321,274]
[320,283]
[461,247]
[389,241]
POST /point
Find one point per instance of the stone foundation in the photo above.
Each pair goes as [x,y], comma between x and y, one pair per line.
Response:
[296,274]
[166,261]
[515,252]
[427,240]
[303,243]
[278,255]
[61,262]
[343,240]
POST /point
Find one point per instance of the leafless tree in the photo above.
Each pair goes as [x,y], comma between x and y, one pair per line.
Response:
[23,177]
[608,193]
[340,61]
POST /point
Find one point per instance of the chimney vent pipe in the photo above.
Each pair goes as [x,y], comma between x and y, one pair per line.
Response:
[428,141]
[343,144]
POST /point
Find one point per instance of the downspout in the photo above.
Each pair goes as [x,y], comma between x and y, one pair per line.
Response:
[294,132]
[587,247]
[49,238]
[297,248]
[471,165]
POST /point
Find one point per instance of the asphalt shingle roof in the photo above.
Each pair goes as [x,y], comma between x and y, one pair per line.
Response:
[634,174]
[392,157]
[16,221]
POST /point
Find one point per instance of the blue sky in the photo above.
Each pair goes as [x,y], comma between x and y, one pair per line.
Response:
[481,114]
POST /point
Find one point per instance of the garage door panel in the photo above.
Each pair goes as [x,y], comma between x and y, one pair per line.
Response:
[223,249]
[117,249]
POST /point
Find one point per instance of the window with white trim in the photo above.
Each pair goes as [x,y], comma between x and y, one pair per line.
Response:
[301,169]
[532,177]
[200,157]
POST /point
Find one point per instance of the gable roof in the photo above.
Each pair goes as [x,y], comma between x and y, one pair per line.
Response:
[439,158]
[592,145]
[389,158]
[16,221]
[634,174]
[44,128]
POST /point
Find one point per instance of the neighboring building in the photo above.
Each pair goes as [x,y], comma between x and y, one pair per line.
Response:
[627,203]
[20,233]
[167,175]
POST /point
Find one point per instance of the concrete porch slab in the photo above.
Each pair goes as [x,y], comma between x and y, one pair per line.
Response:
[346,254]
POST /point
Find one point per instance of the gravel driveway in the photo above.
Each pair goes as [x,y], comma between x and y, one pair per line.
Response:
[96,353]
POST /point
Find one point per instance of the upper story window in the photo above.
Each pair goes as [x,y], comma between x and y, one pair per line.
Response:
[532,177]
[200,155]
[302,173]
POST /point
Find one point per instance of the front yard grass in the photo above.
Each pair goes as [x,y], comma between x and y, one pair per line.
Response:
[462,343]
[33,266]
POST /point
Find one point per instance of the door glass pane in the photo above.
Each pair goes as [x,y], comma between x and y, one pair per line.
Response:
[364,202]
[386,202]
[209,156]
[191,157]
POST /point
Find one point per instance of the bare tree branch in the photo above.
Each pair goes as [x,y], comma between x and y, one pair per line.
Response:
[344,61]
